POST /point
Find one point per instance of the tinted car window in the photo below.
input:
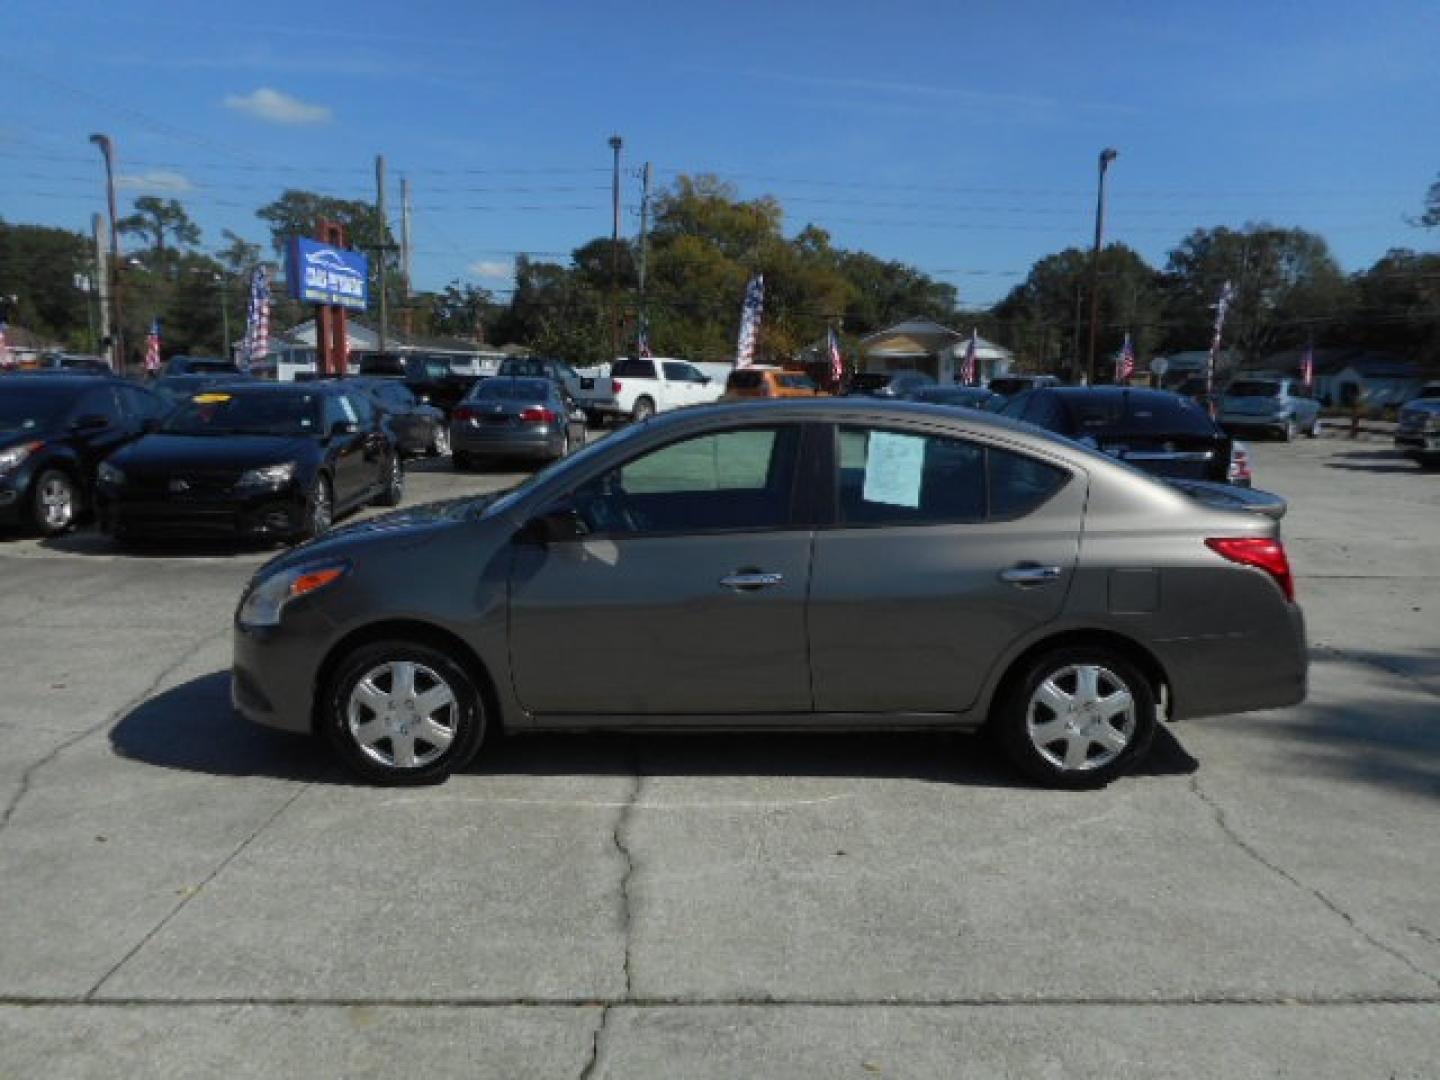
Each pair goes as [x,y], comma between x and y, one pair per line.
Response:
[1253,388]
[1043,410]
[892,477]
[220,412]
[25,408]
[745,380]
[728,480]
[797,382]
[681,372]
[141,405]
[508,389]
[362,407]
[1019,484]
[633,369]
[867,382]
[100,402]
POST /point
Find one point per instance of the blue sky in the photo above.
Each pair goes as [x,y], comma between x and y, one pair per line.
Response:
[959,138]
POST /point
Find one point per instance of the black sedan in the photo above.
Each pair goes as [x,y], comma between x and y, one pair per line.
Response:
[253,460]
[506,417]
[179,388]
[1156,431]
[965,397]
[416,425]
[54,432]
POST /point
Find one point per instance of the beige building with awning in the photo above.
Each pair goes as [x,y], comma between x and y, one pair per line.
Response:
[926,346]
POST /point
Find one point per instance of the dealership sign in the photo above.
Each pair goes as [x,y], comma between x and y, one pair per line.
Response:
[321,274]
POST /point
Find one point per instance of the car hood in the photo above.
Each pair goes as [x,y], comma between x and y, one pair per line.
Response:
[212,453]
[406,528]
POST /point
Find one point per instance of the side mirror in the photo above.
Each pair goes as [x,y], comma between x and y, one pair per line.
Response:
[90,422]
[344,427]
[557,525]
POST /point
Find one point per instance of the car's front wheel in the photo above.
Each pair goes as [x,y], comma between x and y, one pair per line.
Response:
[401,712]
[319,510]
[1077,717]
[55,502]
[394,490]
[440,443]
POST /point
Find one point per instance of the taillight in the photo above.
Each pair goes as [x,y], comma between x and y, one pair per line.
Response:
[537,416]
[1239,464]
[1260,552]
[463,413]
[616,385]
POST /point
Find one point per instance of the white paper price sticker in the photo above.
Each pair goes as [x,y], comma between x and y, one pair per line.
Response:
[893,469]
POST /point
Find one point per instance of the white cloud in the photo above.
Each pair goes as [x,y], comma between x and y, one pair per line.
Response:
[492,268]
[156,180]
[277,107]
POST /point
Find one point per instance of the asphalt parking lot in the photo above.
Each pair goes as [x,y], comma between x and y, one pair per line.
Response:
[185,895]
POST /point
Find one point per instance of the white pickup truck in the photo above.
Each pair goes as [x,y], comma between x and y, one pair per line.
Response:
[650,384]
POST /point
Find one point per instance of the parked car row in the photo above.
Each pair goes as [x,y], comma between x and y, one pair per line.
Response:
[239,458]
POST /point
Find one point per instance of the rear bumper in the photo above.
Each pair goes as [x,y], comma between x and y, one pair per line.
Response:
[539,440]
[1223,674]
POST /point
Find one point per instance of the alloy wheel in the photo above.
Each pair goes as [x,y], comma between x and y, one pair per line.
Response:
[402,715]
[55,501]
[1081,717]
[441,446]
[322,513]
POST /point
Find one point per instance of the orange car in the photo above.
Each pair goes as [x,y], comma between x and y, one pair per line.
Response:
[769,382]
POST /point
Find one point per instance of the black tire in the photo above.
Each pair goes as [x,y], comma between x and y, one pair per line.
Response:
[1045,762]
[643,410]
[1313,431]
[465,719]
[1289,431]
[319,509]
[55,502]
[462,461]
[394,491]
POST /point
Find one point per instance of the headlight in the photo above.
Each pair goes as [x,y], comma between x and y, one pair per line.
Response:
[13,457]
[109,474]
[270,476]
[262,605]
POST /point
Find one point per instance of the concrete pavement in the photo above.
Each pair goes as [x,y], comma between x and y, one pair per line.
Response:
[183,895]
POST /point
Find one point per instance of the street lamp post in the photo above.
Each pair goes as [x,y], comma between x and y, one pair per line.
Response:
[1106,156]
[107,151]
[615,144]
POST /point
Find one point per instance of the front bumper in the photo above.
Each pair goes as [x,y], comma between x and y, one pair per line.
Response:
[260,514]
[1420,443]
[274,670]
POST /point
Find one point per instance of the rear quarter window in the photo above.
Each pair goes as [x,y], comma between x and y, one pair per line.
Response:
[633,369]
[745,380]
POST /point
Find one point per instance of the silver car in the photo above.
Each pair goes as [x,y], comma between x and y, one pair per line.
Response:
[1277,405]
[820,563]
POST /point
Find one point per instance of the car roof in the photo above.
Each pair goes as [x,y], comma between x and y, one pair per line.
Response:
[67,380]
[1107,393]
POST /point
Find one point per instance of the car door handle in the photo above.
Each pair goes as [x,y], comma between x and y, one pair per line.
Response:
[751,580]
[1030,574]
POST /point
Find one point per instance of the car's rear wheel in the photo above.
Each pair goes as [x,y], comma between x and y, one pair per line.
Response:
[1313,432]
[55,502]
[1077,717]
[401,712]
[643,410]
[1289,431]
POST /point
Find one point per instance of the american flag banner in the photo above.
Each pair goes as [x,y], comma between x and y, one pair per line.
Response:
[257,321]
[152,347]
[1307,366]
[970,366]
[5,360]
[642,339]
[750,321]
[1125,363]
[1227,296]
[832,351]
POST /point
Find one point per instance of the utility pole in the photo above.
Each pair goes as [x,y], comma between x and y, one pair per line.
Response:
[107,151]
[644,244]
[1106,156]
[615,144]
[102,275]
[384,247]
[405,234]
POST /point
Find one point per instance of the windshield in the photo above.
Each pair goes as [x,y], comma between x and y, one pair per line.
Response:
[866,381]
[32,409]
[1140,414]
[507,389]
[246,413]
[1253,388]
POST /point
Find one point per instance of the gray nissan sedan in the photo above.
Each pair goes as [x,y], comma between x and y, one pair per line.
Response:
[822,563]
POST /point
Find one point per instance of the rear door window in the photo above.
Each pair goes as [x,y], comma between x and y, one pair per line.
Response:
[633,369]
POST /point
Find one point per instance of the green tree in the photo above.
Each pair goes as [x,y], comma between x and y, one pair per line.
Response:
[1430,219]
[1287,287]
[156,220]
[39,267]
[1046,317]
[239,255]
[1397,306]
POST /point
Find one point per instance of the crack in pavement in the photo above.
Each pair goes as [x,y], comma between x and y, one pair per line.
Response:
[196,891]
[1249,849]
[27,777]
[620,837]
